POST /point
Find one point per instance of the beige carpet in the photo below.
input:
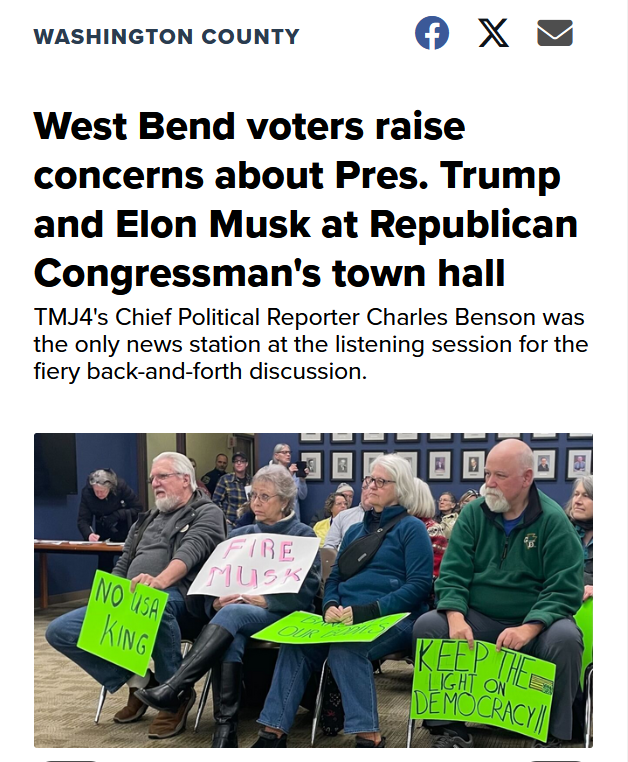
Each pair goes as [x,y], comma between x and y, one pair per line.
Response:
[66,698]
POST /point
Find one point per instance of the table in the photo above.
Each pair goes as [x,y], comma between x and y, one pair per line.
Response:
[43,548]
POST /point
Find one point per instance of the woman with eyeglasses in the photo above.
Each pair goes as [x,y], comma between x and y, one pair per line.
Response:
[108,509]
[234,618]
[384,566]
[448,509]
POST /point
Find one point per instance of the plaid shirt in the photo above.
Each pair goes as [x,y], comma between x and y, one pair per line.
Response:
[230,494]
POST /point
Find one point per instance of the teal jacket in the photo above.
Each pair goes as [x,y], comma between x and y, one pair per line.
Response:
[534,575]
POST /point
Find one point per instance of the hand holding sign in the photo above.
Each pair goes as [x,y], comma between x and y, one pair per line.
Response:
[517,637]
[459,629]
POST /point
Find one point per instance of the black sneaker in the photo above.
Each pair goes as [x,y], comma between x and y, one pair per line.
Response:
[365,743]
[551,743]
[449,740]
[267,740]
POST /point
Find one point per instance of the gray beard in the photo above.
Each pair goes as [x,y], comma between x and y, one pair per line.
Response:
[496,503]
[167,504]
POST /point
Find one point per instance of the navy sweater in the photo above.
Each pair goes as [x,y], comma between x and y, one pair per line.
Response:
[399,576]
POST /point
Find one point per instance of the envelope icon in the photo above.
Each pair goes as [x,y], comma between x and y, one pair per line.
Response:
[555,33]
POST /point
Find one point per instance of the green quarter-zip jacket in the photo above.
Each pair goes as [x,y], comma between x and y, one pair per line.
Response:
[533,575]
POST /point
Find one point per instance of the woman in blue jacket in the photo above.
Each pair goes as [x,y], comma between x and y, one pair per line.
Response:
[234,618]
[397,579]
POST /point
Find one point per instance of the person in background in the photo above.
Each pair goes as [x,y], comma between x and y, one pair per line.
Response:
[107,511]
[467,497]
[346,490]
[334,504]
[245,515]
[165,549]
[398,578]
[210,480]
[234,618]
[425,510]
[199,484]
[448,508]
[282,456]
[231,490]
[580,511]
[347,519]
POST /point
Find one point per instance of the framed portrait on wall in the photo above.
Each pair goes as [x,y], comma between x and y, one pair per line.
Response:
[440,437]
[342,438]
[407,437]
[474,437]
[367,461]
[579,436]
[579,462]
[314,462]
[472,465]
[310,439]
[412,456]
[544,436]
[508,436]
[374,437]
[439,465]
[545,464]
[342,466]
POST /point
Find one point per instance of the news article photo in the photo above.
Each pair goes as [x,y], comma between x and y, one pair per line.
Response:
[274,590]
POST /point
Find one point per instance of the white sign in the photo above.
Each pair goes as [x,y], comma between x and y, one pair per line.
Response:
[257,564]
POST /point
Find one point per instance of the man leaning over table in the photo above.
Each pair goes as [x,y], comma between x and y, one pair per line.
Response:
[165,549]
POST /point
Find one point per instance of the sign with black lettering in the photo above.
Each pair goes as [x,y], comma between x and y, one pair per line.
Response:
[121,626]
[504,688]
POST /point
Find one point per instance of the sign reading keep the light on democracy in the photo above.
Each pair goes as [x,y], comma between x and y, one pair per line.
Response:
[257,564]
[121,626]
[507,689]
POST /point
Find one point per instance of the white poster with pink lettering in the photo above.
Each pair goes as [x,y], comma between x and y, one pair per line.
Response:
[257,564]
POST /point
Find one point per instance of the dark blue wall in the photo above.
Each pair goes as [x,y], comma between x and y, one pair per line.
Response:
[55,519]
[559,490]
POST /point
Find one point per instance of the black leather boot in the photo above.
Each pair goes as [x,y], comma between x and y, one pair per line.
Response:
[226,685]
[207,651]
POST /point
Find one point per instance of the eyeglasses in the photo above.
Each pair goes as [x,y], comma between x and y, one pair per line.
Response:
[253,496]
[379,483]
[284,452]
[240,462]
[162,477]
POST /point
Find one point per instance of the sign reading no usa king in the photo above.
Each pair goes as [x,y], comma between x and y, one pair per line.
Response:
[121,626]
[257,564]
[504,688]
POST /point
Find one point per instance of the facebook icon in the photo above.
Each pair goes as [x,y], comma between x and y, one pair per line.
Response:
[431,33]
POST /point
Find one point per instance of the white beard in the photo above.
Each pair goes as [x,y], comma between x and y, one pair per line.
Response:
[495,499]
[167,504]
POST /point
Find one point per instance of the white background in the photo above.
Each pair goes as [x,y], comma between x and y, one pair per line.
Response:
[523,105]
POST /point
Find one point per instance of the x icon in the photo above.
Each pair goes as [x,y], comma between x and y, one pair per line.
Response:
[493,34]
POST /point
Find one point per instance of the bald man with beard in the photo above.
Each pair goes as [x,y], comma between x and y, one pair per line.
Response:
[512,575]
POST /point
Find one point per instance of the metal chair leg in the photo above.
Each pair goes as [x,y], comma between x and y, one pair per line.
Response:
[203,700]
[185,647]
[410,731]
[101,701]
[319,702]
[588,708]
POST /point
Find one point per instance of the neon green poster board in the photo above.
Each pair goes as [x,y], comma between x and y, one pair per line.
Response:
[121,626]
[301,628]
[584,620]
[507,689]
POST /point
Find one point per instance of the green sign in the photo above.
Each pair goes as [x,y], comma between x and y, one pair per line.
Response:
[121,626]
[508,689]
[301,628]
[584,620]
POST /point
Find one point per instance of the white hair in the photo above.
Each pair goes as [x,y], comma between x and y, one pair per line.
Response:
[423,507]
[399,470]
[181,465]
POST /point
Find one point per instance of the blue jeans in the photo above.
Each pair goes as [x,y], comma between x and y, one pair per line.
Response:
[63,634]
[350,664]
[242,620]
